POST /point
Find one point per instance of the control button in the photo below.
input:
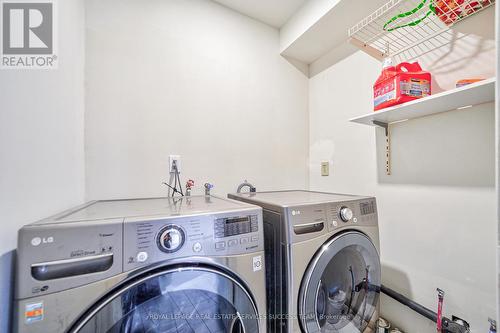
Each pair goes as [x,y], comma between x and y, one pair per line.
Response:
[346,214]
[142,256]
[197,247]
[244,240]
[233,242]
[355,220]
[220,245]
[255,238]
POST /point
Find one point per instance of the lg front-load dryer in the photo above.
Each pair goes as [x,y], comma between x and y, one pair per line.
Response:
[322,261]
[190,264]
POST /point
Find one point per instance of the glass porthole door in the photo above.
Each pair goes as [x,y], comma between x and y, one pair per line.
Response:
[341,287]
[180,300]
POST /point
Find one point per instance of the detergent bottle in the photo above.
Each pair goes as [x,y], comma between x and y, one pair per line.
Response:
[400,84]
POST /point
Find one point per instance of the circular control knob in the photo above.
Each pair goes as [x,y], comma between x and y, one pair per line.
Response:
[171,238]
[346,214]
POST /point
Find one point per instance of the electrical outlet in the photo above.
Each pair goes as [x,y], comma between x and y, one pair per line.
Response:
[177,160]
[325,168]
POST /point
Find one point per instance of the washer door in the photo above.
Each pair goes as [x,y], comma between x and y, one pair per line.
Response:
[340,290]
[179,299]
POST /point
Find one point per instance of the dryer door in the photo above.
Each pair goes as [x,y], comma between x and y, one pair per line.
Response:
[340,290]
[177,299]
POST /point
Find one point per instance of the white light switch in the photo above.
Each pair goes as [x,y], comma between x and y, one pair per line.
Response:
[325,168]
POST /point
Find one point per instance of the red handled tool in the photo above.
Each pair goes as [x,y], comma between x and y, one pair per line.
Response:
[440,309]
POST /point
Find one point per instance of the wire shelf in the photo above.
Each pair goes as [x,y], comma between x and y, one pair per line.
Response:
[411,26]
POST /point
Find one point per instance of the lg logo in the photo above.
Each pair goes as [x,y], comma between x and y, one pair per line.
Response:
[42,240]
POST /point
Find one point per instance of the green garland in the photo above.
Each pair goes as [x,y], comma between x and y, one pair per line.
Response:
[432,10]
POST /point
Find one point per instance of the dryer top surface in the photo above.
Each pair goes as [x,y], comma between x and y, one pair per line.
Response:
[294,198]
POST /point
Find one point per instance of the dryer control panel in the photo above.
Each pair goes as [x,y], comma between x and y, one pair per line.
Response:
[312,220]
[150,240]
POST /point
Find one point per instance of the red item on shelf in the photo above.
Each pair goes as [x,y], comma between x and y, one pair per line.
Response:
[450,11]
[400,84]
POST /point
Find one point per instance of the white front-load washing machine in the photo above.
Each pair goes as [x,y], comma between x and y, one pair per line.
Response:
[190,264]
[322,260]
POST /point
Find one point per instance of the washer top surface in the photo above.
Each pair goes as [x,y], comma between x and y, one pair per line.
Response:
[294,198]
[178,206]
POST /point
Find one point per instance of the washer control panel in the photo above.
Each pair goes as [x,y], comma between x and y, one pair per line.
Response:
[150,240]
[232,226]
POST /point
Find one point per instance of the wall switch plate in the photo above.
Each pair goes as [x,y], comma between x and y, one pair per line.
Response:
[325,168]
[177,160]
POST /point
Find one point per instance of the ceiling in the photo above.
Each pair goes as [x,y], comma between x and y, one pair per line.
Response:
[272,12]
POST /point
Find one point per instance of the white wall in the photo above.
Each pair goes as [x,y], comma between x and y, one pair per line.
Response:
[190,78]
[497,115]
[41,142]
[438,210]
[153,67]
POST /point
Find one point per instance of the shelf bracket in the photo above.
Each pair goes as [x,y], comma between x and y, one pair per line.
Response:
[385,126]
[368,49]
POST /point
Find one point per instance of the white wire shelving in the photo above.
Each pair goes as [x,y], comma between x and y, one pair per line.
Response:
[411,27]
